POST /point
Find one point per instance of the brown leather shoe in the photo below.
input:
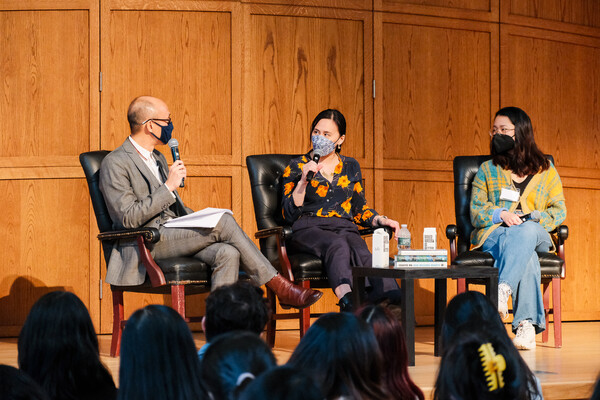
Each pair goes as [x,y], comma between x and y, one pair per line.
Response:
[291,295]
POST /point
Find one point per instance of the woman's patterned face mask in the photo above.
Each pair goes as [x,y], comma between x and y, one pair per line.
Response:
[321,145]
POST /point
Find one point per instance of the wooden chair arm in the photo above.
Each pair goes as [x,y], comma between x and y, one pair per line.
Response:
[150,235]
[141,236]
[280,234]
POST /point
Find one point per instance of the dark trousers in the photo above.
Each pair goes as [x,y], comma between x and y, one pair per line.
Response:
[338,243]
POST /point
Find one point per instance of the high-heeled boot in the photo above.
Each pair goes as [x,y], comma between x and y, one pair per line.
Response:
[291,295]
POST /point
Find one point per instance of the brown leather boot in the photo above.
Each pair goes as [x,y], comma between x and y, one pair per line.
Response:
[291,295]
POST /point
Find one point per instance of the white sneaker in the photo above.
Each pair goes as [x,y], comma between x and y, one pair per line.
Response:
[504,293]
[525,339]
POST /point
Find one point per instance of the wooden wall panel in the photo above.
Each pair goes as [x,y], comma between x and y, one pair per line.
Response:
[185,58]
[44,245]
[437,89]
[577,12]
[580,300]
[481,10]
[299,62]
[341,4]
[49,110]
[44,90]
[563,98]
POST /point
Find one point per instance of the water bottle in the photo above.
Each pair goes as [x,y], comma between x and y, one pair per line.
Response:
[381,249]
[404,238]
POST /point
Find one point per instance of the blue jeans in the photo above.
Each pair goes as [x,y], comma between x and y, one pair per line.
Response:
[514,249]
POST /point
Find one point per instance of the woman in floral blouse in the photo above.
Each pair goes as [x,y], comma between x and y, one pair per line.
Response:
[326,210]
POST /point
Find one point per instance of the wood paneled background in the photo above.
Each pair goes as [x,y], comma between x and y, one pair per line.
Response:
[418,81]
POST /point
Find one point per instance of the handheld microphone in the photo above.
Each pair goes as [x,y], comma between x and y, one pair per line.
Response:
[174,145]
[316,158]
[534,216]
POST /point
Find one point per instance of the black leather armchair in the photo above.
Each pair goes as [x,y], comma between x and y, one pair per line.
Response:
[304,269]
[553,265]
[177,276]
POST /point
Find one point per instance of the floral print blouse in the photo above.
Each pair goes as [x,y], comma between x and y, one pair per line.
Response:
[343,197]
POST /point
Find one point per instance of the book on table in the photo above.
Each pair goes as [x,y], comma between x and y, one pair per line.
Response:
[420,258]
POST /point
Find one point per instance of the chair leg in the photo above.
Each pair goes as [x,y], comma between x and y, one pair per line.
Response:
[272,324]
[546,300]
[461,286]
[178,299]
[118,317]
[557,311]
[304,313]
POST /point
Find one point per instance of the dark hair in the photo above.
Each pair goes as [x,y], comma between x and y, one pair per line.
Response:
[334,115]
[596,394]
[58,348]
[17,385]
[390,336]
[347,355]
[240,306]
[461,374]
[525,158]
[158,357]
[282,383]
[229,357]
[473,308]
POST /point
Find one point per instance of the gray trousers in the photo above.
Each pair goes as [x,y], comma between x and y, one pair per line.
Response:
[226,248]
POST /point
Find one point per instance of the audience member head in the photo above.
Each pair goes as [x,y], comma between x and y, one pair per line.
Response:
[58,348]
[17,385]
[480,364]
[232,361]
[596,394]
[282,383]
[158,357]
[240,306]
[474,309]
[340,352]
[466,307]
[390,336]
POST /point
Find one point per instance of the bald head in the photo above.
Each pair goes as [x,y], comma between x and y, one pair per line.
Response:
[141,109]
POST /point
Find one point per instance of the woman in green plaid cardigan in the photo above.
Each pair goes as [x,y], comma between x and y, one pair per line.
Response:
[517,181]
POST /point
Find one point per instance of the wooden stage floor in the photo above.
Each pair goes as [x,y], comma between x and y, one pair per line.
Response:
[566,373]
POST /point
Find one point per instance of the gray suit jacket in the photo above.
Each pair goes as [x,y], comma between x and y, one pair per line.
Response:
[135,198]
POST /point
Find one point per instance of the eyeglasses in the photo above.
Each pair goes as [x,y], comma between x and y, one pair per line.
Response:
[503,131]
[167,120]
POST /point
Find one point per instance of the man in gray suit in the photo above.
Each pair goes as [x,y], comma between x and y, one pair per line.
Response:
[140,190]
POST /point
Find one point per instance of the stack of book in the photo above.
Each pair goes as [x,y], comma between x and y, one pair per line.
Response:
[416,258]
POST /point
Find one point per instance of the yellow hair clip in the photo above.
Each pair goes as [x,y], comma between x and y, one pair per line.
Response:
[493,366]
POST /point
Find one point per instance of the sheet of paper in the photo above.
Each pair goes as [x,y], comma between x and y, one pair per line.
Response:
[206,218]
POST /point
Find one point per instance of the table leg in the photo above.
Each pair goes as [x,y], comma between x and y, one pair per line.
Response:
[358,290]
[408,316]
[491,289]
[441,297]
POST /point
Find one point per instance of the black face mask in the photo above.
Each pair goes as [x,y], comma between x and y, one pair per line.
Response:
[502,143]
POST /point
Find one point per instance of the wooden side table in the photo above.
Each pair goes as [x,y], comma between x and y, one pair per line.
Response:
[407,278]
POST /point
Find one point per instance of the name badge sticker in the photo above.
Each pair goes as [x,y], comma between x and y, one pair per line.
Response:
[509,195]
